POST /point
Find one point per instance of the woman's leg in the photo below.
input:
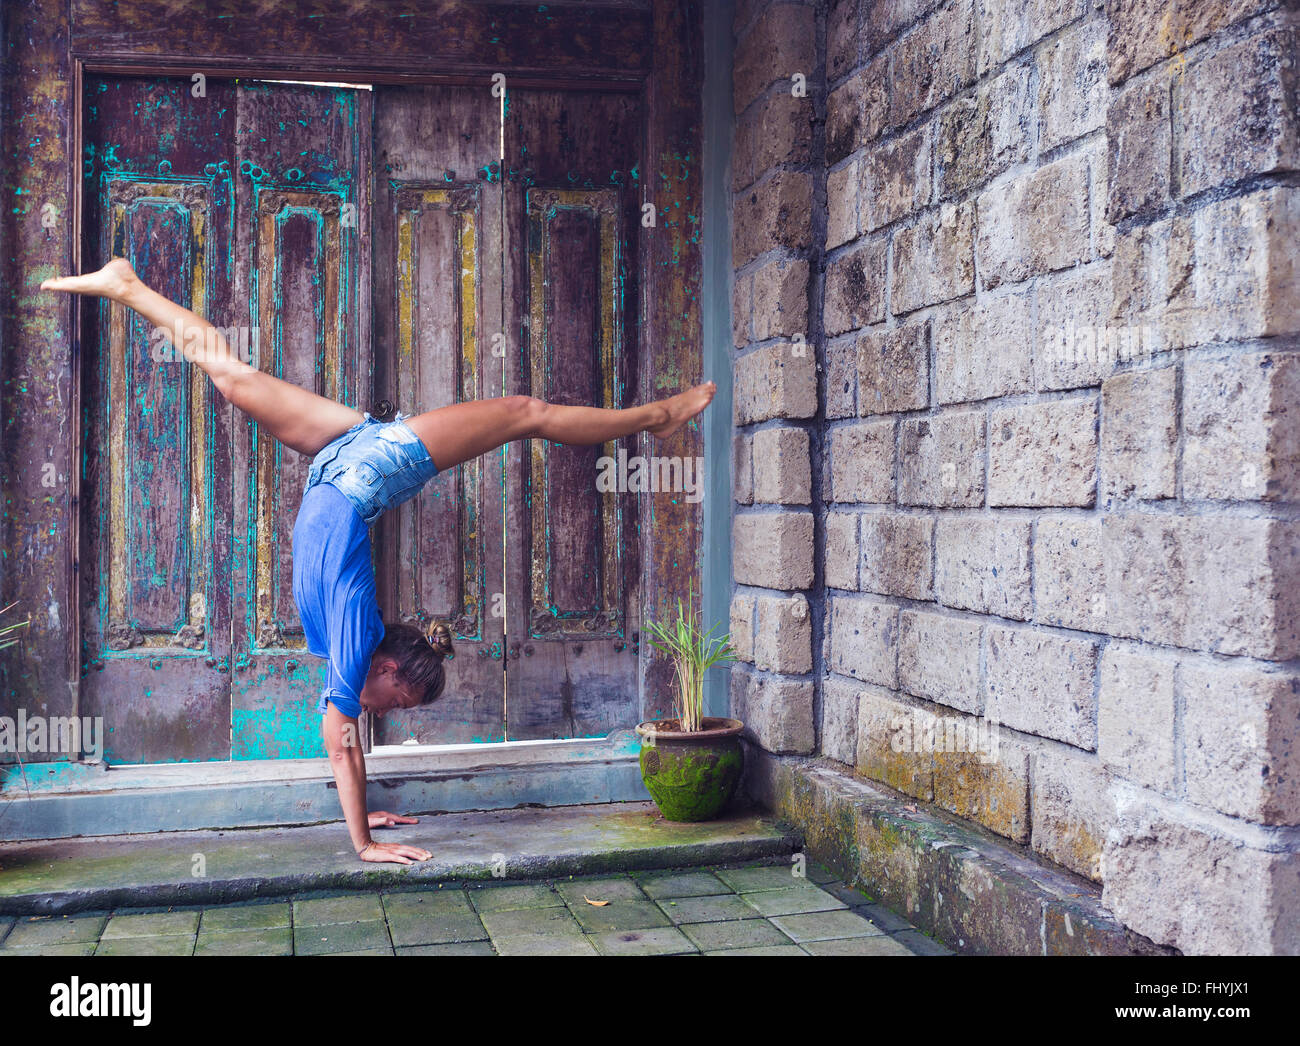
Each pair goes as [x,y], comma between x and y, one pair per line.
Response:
[463,431]
[297,417]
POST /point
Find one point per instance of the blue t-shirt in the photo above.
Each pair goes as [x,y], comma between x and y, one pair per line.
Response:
[334,587]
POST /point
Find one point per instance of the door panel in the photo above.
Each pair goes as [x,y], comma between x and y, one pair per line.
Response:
[572,161]
[303,159]
[156,615]
[437,274]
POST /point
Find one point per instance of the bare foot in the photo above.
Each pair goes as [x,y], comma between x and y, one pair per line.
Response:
[682,407]
[111,281]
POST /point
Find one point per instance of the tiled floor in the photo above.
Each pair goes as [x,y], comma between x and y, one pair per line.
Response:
[746,910]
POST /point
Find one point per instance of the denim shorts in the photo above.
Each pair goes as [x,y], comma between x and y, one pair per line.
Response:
[375,465]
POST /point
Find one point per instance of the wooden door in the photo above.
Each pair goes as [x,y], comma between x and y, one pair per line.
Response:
[488,285]
[156,469]
[301,274]
[437,316]
[571,195]
[503,246]
[245,202]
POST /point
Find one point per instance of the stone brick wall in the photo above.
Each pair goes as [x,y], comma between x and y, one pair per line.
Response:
[1017,428]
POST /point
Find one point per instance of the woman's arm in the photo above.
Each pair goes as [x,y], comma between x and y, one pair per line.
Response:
[343,743]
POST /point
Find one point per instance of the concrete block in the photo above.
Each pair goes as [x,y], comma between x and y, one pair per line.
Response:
[941,460]
[1042,683]
[982,563]
[939,659]
[773,549]
[896,555]
[1044,454]
[864,639]
[862,462]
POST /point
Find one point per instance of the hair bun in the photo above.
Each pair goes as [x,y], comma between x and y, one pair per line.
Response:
[438,636]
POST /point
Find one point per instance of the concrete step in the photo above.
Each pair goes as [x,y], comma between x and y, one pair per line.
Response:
[207,867]
[63,800]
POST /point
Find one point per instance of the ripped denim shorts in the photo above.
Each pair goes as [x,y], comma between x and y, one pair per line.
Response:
[375,465]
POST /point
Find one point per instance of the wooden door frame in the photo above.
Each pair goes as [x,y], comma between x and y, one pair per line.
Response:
[670,308]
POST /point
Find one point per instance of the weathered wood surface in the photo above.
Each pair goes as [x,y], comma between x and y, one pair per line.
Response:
[573,165]
[437,310]
[672,261]
[405,38]
[38,469]
[301,158]
[156,612]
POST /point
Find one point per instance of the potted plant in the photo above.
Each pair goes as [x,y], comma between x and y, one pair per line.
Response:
[691,763]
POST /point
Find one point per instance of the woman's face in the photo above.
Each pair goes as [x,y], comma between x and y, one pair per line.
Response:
[384,690]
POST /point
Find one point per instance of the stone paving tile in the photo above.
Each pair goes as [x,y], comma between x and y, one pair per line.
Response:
[821,875]
[268,940]
[706,909]
[459,948]
[545,944]
[825,926]
[259,916]
[680,884]
[172,944]
[155,924]
[447,901]
[340,937]
[793,902]
[516,921]
[511,898]
[753,878]
[738,933]
[881,945]
[435,928]
[850,896]
[619,915]
[888,921]
[42,931]
[760,909]
[920,944]
[343,908]
[605,888]
[662,940]
[365,951]
[84,948]
[768,949]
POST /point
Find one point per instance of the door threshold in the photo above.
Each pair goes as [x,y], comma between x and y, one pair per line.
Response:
[63,778]
[62,800]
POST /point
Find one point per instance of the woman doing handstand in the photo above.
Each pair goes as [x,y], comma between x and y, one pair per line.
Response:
[362,467]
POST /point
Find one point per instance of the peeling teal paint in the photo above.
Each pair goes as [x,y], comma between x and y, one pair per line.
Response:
[287,731]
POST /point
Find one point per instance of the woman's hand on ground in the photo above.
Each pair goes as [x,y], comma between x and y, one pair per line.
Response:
[394,853]
[383,819]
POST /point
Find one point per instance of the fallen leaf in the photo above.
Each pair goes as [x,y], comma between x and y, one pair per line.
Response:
[598,904]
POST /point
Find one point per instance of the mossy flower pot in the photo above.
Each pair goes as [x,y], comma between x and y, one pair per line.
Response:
[691,775]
